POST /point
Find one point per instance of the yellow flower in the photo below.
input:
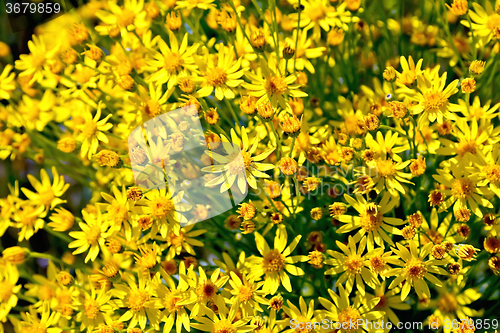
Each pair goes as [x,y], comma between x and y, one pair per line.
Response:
[433,99]
[302,317]
[171,62]
[92,236]
[389,300]
[271,84]
[47,194]
[7,84]
[415,268]
[139,298]
[349,315]
[204,289]
[92,131]
[304,52]
[31,322]
[409,72]
[463,189]
[476,111]
[275,262]
[182,240]
[223,321]
[29,219]
[246,294]
[94,308]
[484,20]
[8,289]
[33,64]
[371,220]
[166,210]
[352,265]
[192,4]
[174,299]
[240,169]
[222,74]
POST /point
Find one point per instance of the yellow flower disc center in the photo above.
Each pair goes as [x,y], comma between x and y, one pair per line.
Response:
[126,18]
[304,323]
[415,269]
[434,101]
[176,240]
[493,21]
[386,168]
[152,108]
[447,303]
[492,173]
[137,300]
[274,261]
[223,326]
[463,188]
[170,303]
[119,213]
[93,234]
[353,264]
[349,318]
[91,309]
[160,207]
[466,146]
[245,294]
[173,62]
[371,222]
[377,263]
[275,85]
[216,77]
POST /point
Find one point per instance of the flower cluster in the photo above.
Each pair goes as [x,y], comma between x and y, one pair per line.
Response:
[366,132]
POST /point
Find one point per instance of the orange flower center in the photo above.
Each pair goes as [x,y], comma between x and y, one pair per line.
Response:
[466,146]
[492,173]
[353,264]
[462,188]
[275,85]
[137,299]
[386,168]
[415,269]
[274,261]
[216,77]
[349,318]
[448,303]
[91,309]
[161,207]
[434,101]
[245,294]
[173,62]
[223,326]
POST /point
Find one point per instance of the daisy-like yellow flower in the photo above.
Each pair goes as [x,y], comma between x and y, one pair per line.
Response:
[192,4]
[182,240]
[47,193]
[204,289]
[240,169]
[371,220]
[269,83]
[475,111]
[29,219]
[470,146]
[174,300]
[94,308]
[172,61]
[33,64]
[46,322]
[414,268]
[92,131]
[488,171]
[228,265]
[388,146]
[246,293]
[139,298]
[9,288]
[224,320]
[452,303]
[433,99]
[484,20]
[222,75]
[92,236]
[304,52]
[389,175]
[275,262]
[389,300]
[123,17]
[352,264]
[348,314]
[7,83]
[463,189]
[166,210]
[410,71]
[300,319]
